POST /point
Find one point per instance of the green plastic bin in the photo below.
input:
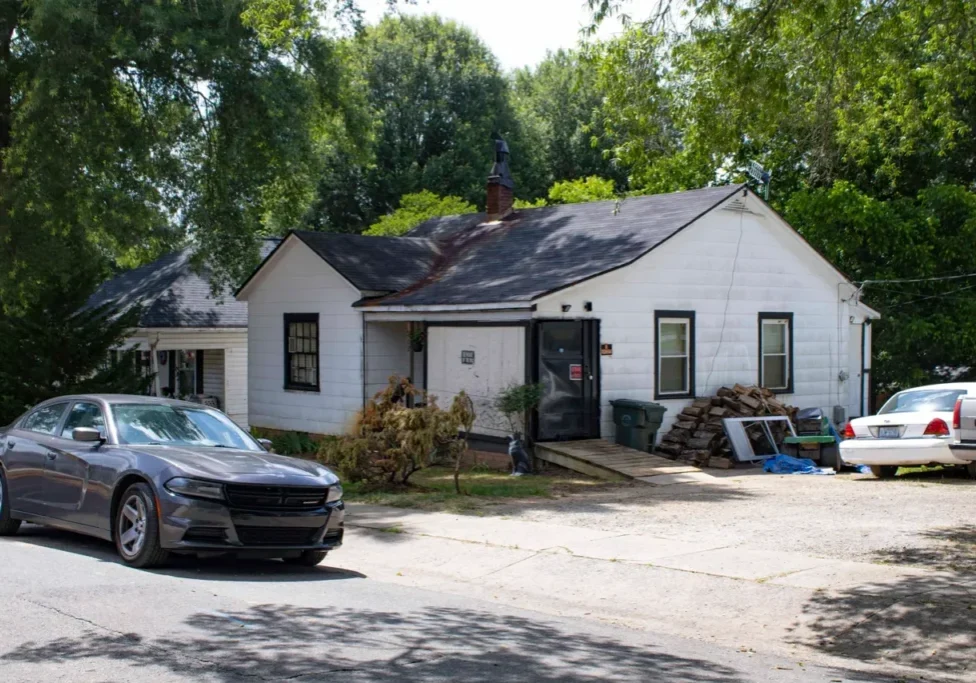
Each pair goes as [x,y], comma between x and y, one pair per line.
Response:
[637,423]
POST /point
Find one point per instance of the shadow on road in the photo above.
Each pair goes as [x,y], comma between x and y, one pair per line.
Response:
[223,568]
[278,642]
[925,621]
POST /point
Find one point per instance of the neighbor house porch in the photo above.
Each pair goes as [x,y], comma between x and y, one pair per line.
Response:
[197,364]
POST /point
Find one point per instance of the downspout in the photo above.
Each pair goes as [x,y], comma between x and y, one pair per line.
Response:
[362,365]
[865,369]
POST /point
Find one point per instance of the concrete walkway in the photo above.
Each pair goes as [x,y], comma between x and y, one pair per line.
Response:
[812,608]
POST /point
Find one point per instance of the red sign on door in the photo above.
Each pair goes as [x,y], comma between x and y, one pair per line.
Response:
[576,372]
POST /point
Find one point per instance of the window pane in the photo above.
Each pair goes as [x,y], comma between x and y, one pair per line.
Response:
[674,339]
[774,337]
[673,379]
[774,372]
[83,415]
[46,419]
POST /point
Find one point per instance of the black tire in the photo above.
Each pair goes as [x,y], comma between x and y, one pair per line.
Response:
[884,471]
[971,470]
[309,558]
[149,553]
[8,525]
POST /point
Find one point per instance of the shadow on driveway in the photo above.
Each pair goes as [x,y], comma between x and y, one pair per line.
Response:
[223,568]
[925,621]
[279,642]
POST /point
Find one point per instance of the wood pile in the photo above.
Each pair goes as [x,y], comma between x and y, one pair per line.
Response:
[698,436]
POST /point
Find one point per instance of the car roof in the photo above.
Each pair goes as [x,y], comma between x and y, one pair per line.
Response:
[970,387]
[113,399]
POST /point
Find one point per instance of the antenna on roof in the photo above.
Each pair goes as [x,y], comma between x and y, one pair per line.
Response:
[761,176]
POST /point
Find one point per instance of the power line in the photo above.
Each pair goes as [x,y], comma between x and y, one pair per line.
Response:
[923,279]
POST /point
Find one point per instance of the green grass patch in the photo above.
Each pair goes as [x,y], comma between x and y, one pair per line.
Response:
[433,489]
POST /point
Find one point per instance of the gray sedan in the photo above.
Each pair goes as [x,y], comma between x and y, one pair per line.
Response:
[158,476]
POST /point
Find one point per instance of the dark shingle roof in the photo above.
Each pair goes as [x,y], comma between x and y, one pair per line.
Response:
[542,250]
[173,295]
[378,264]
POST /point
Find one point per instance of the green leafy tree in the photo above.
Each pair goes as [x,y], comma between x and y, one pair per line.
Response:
[555,102]
[58,347]
[592,189]
[125,125]
[436,98]
[414,209]
[928,329]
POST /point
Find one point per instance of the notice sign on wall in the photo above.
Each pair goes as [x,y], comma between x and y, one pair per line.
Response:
[576,372]
[467,357]
[606,349]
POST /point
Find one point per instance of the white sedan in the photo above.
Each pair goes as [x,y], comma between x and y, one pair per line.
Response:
[914,427]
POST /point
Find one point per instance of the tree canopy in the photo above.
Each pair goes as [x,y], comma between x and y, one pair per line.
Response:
[414,209]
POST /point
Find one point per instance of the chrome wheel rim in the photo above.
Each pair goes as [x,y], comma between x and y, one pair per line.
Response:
[132,526]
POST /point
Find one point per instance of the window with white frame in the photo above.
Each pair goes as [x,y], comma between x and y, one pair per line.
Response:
[675,352]
[776,351]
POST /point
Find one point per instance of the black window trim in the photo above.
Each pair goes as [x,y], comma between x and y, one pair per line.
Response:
[302,318]
[690,316]
[766,315]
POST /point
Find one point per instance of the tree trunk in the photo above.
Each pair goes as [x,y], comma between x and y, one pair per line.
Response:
[9,15]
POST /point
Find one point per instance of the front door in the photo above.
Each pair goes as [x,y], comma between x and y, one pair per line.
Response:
[568,367]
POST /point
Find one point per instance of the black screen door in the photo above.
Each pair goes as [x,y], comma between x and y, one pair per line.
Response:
[568,368]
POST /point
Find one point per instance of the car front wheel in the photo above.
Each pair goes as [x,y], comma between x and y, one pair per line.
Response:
[137,529]
[8,526]
[309,558]
[884,471]
[971,470]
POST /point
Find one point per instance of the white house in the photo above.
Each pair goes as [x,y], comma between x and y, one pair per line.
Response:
[194,343]
[660,297]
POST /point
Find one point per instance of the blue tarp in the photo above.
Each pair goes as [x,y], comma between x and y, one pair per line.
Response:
[787,464]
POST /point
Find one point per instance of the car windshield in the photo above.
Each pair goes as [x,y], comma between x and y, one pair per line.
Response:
[922,401]
[162,424]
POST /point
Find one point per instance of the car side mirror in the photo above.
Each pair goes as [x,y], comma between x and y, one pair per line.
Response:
[86,434]
[266,444]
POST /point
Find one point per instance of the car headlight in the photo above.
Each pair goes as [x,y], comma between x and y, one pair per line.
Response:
[335,493]
[195,488]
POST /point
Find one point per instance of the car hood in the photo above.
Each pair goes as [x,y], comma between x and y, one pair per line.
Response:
[227,464]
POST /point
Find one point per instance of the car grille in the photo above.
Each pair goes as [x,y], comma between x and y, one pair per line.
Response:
[247,497]
[205,534]
[276,535]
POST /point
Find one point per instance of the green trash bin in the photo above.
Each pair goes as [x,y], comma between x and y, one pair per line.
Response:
[637,423]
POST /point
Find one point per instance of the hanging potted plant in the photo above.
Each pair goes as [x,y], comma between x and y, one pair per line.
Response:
[417,338]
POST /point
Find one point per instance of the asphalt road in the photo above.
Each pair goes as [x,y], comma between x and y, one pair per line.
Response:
[70,611]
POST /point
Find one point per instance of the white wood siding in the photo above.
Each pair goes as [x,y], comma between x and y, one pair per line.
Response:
[387,353]
[727,281]
[213,373]
[228,344]
[499,362]
[299,281]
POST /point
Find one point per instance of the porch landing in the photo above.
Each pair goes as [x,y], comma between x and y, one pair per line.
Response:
[610,462]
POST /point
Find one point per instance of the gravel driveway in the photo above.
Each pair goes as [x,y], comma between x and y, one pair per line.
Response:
[926,519]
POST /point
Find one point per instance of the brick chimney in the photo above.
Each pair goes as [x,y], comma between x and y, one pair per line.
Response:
[500,184]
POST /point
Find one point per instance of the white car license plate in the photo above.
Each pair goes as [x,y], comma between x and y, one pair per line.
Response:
[888,433]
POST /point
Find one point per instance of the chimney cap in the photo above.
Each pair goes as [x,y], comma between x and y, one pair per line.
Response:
[499,174]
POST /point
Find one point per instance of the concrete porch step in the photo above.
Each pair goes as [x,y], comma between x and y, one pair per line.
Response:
[610,462]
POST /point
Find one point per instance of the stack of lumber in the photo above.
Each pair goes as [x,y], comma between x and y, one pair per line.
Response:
[698,436]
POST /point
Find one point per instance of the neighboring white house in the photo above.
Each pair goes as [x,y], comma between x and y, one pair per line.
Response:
[195,344]
[660,298]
